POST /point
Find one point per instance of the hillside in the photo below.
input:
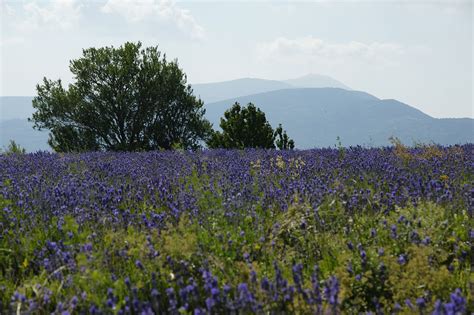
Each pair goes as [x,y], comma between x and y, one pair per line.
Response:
[213,92]
[316,81]
[14,125]
[219,91]
[315,117]
[23,133]
[14,107]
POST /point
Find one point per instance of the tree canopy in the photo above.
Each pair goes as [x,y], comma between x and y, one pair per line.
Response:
[13,148]
[247,127]
[122,99]
[282,141]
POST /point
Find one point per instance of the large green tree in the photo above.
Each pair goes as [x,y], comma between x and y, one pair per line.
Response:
[247,127]
[123,99]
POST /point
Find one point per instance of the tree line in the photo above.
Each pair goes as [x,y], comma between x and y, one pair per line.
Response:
[132,98]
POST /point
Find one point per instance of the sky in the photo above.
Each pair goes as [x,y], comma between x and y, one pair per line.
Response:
[418,52]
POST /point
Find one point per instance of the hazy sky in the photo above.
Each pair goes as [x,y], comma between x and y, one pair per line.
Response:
[418,52]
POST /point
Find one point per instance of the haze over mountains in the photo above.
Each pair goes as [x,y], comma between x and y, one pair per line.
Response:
[218,91]
[315,117]
[314,109]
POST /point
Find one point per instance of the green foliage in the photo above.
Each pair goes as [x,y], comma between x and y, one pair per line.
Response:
[180,241]
[13,148]
[218,242]
[340,148]
[247,127]
[123,99]
[282,141]
[280,238]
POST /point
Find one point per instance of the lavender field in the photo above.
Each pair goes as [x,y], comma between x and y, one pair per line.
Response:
[323,231]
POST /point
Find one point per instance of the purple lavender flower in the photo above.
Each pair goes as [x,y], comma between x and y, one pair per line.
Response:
[373,232]
[458,301]
[438,308]
[74,301]
[139,264]
[331,290]
[173,303]
[349,268]
[210,303]
[402,259]
[426,241]
[265,284]
[381,251]
[397,307]
[393,231]
[421,303]
[350,245]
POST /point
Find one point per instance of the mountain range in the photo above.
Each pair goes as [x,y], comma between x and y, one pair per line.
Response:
[218,91]
[315,110]
[316,117]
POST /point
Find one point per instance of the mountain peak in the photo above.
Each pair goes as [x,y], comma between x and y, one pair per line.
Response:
[218,91]
[314,80]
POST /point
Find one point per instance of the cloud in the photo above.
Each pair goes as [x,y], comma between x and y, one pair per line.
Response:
[63,14]
[7,9]
[309,47]
[167,10]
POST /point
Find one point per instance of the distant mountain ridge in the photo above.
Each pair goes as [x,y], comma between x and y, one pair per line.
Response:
[21,130]
[219,91]
[316,81]
[14,124]
[15,107]
[313,117]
